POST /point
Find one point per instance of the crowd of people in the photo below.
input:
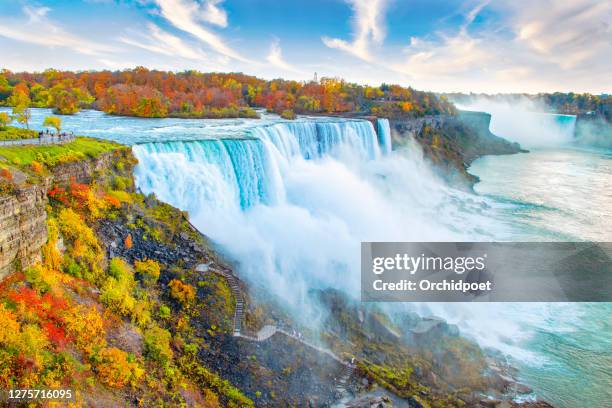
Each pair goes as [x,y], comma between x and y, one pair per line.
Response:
[59,135]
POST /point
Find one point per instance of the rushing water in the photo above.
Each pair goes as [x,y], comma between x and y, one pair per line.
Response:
[290,201]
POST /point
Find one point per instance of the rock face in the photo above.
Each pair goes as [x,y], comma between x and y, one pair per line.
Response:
[23,216]
[23,228]
[452,142]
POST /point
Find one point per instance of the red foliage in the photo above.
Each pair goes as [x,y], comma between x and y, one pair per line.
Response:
[151,93]
[75,196]
[55,334]
[48,308]
[6,174]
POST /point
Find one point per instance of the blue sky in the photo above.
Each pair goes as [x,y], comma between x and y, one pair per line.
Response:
[440,45]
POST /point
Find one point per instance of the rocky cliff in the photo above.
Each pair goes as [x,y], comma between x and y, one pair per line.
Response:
[452,142]
[23,228]
[23,216]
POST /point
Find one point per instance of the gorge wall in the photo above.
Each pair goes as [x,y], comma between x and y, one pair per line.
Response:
[23,228]
[452,142]
[23,215]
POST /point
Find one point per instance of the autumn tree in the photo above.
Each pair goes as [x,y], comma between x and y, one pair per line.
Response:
[5,119]
[54,122]
[20,100]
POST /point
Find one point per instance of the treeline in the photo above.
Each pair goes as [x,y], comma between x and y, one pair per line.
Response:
[565,103]
[149,93]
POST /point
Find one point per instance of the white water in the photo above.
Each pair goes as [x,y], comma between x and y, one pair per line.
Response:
[292,203]
[292,214]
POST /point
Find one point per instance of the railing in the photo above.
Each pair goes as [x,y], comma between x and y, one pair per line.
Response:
[44,140]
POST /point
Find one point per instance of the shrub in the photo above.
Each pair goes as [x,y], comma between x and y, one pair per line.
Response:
[82,243]
[116,292]
[86,327]
[157,345]
[149,271]
[6,174]
[115,368]
[184,293]
[164,312]
[128,242]
[288,114]
[37,167]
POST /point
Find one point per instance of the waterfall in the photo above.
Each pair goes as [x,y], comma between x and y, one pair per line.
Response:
[290,202]
[384,135]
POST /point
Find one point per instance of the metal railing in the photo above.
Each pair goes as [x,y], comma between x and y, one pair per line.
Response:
[43,140]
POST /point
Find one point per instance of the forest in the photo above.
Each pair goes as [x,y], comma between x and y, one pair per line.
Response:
[190,94]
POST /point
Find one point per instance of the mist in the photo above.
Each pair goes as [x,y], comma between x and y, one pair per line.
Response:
[306,218]
[526,122]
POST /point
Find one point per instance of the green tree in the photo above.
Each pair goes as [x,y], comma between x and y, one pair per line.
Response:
[5,88]
[54,122]
[5,119]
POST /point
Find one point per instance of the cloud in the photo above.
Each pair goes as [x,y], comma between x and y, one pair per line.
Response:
[569,33]
[162,42]
[186,15]
[368,27]
[213,14]
[275,57]
[537,46]
[38,29]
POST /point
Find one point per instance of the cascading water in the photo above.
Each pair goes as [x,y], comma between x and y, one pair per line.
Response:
[384,135]
[292,202]
[299,225]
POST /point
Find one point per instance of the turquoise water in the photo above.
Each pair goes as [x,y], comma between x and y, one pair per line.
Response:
[557,194]
[292,203]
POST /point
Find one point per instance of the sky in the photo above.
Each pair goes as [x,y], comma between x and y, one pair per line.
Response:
[438,45]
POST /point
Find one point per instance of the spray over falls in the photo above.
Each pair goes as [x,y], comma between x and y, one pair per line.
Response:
[291,202]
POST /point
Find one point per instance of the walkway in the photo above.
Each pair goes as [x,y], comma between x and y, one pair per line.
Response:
[45,140]
[268,331]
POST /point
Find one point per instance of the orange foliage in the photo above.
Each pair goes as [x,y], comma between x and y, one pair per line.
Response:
[115,370]
[183,292]
[127,242]
[150,93]
[6,174]
[37,167]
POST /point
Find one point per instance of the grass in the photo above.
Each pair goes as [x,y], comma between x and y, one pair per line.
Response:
[54,154]
[14,133]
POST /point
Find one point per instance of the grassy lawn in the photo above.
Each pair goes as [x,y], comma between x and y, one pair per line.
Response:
[13,133]
[52,155]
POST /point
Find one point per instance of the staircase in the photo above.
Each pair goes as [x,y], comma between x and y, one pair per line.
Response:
[343,380]
[268,331]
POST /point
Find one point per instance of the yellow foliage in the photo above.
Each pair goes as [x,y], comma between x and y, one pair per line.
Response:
[149,270]
[33,343]
[86,327]
[85,247]
[183,292]
[9,335]
[51,255]
[117,290]
[115,370]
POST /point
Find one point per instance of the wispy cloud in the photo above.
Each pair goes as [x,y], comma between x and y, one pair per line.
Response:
[186,15]
[214,14]
[368,28]
[275,57]
[569,33]
[543,45]
[162,42]
[37,28]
